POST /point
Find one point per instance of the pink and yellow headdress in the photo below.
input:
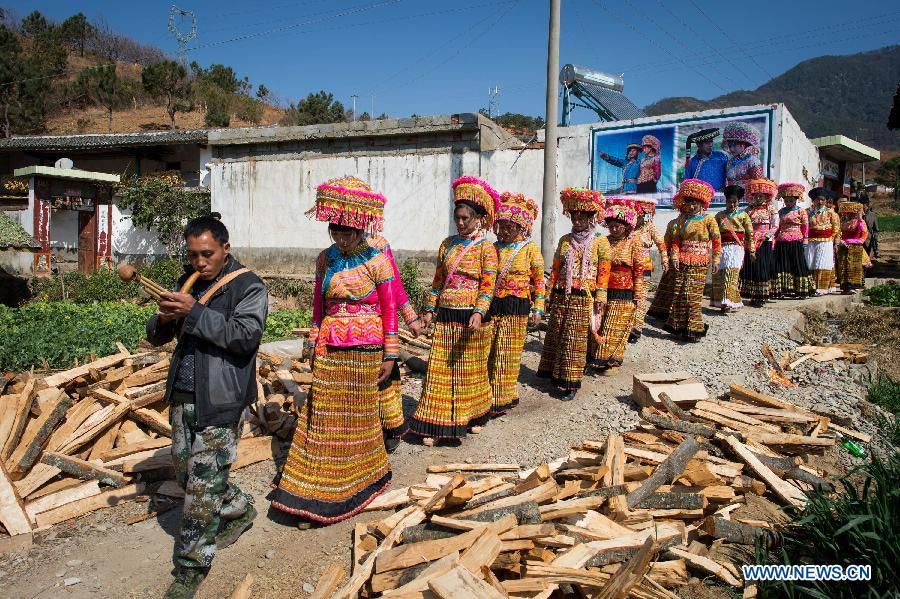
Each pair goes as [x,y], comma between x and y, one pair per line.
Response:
[349,202]
[850,208]
[644,205]
[621,209]
[485,198]
[517,208]
[766,187]
[694,189]
[579,199]
[791,190]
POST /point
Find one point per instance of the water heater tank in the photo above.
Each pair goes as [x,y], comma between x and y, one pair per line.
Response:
[572,73]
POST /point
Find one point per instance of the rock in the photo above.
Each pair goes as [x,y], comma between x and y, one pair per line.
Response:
[270,554]
[261,565]
[73,563]
[308,588]
[71,581]
[60,573]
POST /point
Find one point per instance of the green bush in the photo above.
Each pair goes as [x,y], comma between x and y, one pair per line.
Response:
[299,289]
[887,294]
[102,285]
[885,392]
[280,323]
[57,333]
[859,524]
[410,275]
[888,222]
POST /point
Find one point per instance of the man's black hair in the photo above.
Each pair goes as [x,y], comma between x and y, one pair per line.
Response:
[732,191]
[200,225]
[341,228]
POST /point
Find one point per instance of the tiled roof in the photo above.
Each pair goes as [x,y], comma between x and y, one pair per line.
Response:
[103,141]
[14,237]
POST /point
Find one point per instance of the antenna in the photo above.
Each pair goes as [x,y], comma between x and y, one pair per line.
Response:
[354,97]
[493,101]
[177,17]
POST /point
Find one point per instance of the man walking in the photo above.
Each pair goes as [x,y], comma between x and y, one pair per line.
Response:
[212,378]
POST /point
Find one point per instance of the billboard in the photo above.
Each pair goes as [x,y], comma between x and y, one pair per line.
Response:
[653,159]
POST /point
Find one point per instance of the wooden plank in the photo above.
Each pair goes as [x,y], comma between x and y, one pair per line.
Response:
[614,460]
[242,590]
[152,419]
[420,582]
[62,378]
[665,473]
[329,581]
[36,435]
[460,583]
[445,490]
[120,452]
[105,442]
[782,489]
[631,574]
[542,494]
[12,513]
[54,500]
[727,412]
[749,395]
[705,564]
[251,450]
[98,423]
[84,470]
[89,504]
[435,468]
[482,552]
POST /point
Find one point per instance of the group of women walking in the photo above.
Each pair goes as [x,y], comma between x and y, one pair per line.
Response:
[484,295]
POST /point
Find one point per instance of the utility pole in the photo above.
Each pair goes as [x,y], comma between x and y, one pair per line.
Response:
[372,114]
[548,205]
[354,97]
[494,101]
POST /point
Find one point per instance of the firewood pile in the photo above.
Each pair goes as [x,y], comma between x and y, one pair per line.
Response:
[633,514]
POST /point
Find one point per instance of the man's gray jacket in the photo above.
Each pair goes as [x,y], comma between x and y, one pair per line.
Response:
[226,333]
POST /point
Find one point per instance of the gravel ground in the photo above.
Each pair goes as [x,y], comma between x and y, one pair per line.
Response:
[112,559]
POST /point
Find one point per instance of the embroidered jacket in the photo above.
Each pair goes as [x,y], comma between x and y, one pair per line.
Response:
[523,276]
[650,169]
[709,168]
[736,228]
[404,306]
[854,232]
[648,235]
[793,225]
[696,241]
[465,275]
[765,223]
[743,168]
[824,225]
[626,267]
[354,301]
[598,279]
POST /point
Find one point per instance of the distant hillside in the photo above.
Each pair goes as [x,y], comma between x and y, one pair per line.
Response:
[851,95]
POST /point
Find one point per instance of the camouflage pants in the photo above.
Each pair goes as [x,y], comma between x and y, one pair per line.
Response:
[202,460]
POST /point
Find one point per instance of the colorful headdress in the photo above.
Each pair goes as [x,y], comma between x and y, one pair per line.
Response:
[473,190]
[848,208]
[705,134]
[694,189]
[621,210]
[644,205]
[517,208]
[741,132]
[791,190]
[349,202]
[652,141]
[576,199]
[764,186]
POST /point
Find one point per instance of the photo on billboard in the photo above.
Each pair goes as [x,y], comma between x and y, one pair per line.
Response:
[724,150]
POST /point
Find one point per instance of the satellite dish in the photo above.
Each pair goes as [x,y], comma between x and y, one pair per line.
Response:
[65,163]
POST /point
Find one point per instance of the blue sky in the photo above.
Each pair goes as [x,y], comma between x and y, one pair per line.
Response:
[439,57]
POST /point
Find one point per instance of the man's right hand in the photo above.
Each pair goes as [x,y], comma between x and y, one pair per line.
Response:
[426,319]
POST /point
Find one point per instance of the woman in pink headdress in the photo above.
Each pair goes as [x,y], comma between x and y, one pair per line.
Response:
[651,169]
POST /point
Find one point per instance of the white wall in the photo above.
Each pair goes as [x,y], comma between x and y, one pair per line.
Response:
[129,240]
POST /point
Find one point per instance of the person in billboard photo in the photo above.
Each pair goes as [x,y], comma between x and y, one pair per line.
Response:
[707,164]
[651,168]
[743,165]
[630,165]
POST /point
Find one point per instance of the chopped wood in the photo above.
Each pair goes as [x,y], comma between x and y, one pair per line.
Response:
[12,513]
[84,470]
[705,564]
[733,531]
[864,437]
[436,468]
[329,581]
[670,469]
[449,486]
[674,409]
[667,501]
[89,504]
[36,435]
[723,410]
[392,499]
[421,576]
[62,378]
[571,507]
[460,583]
[614,460]
[19,420]
[782,489]
[242,590]
[689,428]
[152,419]
[120,452]
[749,395]
[542,494]
[482,552]
[631,574]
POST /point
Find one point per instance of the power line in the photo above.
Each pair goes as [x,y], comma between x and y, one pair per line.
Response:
[344,13]
[238,24]
[257,9]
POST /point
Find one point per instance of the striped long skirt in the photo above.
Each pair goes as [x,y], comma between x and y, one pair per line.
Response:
[640,313]
[686,315]
[390,405]
[510,317]
[337,463]
[792,275]
[564,356]
[662,299]
[614,330]
[456,394]
[758,276]
[849,267]
[820,260]
[726,291]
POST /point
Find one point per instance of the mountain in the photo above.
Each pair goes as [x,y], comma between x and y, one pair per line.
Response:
[828,95]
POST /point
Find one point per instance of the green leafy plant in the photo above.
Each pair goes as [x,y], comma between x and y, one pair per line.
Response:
[859,524]
[161,204]
[887,294]
[410,275]
[885,392]
[888,223]
[281,323]
[55,334]
[102,285]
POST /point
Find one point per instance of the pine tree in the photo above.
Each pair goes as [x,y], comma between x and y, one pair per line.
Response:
[167,80]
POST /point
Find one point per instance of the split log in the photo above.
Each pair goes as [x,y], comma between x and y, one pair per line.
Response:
[706,565]
[84,470]
[460,583]
[750,396]
[36,435]
[614,460]
[631,574]
[20,419]
[242,590]
[62,497]
[152,419]
[415,579]
[788,493]
[688,428]
[794,444]
[449,486]
[665,473]
[63,378]
[120,452]
[329,581]
[674,409]
[734,532]
[89,504]
[12,513]
[669,501]
[542,494]
[438,468]
[482,552]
